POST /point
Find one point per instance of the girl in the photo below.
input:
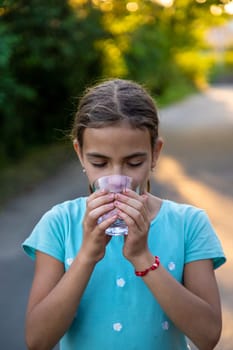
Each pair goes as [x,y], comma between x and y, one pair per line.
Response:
[149,289]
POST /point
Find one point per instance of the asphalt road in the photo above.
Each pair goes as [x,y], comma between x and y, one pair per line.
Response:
[196,166]
[16,222]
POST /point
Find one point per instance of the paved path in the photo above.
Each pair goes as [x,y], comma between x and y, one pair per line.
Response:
[196,167]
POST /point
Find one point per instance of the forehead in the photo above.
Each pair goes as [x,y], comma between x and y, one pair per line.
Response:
[116,138]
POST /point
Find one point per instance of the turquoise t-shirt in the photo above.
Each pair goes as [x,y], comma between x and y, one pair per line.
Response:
[117,310]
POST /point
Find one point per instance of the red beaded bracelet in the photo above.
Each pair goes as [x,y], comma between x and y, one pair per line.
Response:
[151,268]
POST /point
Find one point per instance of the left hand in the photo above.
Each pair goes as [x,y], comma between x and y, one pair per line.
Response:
[133,209]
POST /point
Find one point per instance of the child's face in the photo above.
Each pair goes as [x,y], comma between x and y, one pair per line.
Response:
[118,150]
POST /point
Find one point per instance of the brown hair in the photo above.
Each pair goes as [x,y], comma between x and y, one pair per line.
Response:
[114,101]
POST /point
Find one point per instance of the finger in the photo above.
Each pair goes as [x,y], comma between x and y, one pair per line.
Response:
[139,204]
[99,229]
[99,199]
[96,213]
[130,197]
[130,193]
[132,217]
[106,223]
[97,194]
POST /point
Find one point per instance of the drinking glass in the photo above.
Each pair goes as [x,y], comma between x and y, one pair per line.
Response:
[115,184]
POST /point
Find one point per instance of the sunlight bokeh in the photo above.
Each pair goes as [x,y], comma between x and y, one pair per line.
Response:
[228,7]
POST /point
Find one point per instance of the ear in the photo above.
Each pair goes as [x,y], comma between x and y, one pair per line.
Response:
[78,150]
[156,151]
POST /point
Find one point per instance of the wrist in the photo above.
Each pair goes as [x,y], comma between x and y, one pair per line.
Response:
[142,262]
[152,267]
[84,260]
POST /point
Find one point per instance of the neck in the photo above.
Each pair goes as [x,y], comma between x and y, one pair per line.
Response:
[154,205]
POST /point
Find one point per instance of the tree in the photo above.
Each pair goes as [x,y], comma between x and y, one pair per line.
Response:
[47,57]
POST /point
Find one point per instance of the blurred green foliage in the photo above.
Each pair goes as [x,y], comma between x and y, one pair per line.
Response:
[49,51]
[222,70]
[46,57]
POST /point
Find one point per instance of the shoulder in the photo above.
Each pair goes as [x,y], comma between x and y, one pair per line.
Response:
[55,227]
[181,211]
[66,211]
[193,220]
[70,206]
[192,228]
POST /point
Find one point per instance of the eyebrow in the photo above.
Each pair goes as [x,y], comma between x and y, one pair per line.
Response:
[99,155]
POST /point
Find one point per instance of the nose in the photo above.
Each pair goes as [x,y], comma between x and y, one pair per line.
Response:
[117,170]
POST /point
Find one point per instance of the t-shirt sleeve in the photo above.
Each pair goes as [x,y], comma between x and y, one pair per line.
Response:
[201,240]
[47,236]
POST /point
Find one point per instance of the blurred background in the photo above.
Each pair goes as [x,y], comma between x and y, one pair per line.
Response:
[50,51]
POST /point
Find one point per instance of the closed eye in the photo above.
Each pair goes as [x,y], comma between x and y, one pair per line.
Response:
[99,165]
[135,164]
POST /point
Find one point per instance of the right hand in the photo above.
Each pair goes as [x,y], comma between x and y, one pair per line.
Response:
[94,238]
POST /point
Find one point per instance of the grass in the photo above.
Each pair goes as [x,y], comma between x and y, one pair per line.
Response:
[39,163]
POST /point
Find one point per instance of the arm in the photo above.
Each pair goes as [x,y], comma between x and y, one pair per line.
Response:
[193,307]
[54,299]
[56,294]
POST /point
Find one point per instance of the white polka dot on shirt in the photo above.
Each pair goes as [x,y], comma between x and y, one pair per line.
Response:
[120,282]
[69,261]
[171,266]
[165,325]
[117,326]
